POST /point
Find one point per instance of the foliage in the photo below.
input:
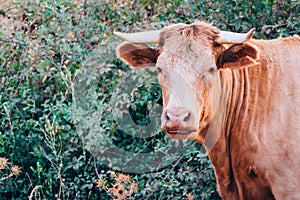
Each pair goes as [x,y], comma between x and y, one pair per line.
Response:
[45,46]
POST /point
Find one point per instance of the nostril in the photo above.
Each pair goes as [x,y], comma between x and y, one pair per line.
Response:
[171,116]
[167,116]
[187,117]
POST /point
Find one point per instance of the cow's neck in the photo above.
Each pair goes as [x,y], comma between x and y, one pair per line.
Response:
[234,108]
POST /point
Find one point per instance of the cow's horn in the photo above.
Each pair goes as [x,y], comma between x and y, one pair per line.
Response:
[141,37]
[226,37]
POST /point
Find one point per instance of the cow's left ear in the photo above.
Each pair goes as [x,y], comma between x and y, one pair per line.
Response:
[137,55]
[239,56]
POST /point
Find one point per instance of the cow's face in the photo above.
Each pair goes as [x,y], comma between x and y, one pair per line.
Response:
[188,61]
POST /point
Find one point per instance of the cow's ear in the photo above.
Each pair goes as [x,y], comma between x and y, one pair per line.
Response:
[137,55]
[239,56]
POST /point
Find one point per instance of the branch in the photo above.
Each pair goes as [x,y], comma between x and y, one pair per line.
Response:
[95,166]
[12,42]
[34,191]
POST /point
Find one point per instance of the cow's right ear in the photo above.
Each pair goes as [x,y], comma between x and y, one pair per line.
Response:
[137,55]
[239,56]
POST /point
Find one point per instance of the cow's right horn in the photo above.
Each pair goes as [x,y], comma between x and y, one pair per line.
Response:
[141,37]
[226,37]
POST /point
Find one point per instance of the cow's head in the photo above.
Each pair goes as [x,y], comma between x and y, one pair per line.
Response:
[188,59]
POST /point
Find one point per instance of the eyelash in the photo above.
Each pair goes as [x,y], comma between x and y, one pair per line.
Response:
[159,70]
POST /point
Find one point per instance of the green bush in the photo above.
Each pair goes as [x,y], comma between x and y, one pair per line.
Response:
[58,72]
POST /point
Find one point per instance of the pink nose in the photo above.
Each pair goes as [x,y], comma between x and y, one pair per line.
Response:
[176,119]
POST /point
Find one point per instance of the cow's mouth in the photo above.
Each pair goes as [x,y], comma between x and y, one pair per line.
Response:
[180,132]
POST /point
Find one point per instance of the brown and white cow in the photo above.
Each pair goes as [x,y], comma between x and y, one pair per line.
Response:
[238,96]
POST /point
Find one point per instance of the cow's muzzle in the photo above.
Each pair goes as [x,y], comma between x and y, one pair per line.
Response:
[178,121]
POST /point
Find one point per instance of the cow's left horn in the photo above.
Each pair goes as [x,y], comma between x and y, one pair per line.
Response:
[141,37]
[226,37]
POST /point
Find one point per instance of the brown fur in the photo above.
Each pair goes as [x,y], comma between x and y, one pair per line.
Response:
[254,132]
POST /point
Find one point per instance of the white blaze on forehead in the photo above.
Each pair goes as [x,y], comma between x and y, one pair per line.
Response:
[188,65]
[188,57]
[180,90]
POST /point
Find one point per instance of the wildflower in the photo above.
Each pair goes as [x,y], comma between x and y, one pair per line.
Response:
[118,191]
[117,186]
[190,196]
[134,186]
[16,170]
[124,178]
[100,183]
[121,193]
[3,163]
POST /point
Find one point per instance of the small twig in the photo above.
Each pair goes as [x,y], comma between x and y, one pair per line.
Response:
[61,182]
[29,179]
[54,165]
[84,11]
[12,42]
[34,191]
[6,177]
[16,42]
[18,110]
[95,166]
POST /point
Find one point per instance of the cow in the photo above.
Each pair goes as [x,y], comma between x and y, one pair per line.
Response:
[237,96]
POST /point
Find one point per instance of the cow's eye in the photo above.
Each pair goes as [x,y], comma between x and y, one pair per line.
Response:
[211,69]
[159,70]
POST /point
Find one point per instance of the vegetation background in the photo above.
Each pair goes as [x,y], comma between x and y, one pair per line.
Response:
[43,46]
